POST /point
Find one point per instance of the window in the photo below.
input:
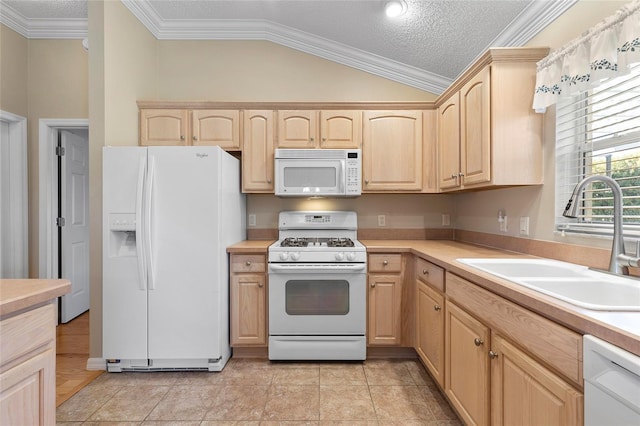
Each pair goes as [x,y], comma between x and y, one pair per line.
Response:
[598,132]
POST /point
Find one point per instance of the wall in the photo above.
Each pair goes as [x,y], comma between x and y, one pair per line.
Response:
[13,72]
[41,79]
[122,68]
[478,211]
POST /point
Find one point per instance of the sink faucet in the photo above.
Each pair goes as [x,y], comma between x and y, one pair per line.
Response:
[620,261]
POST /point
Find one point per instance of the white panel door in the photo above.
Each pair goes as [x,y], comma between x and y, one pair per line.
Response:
[75,232]
[183,284]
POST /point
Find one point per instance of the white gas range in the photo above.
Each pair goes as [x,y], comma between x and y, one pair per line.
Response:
[317,288]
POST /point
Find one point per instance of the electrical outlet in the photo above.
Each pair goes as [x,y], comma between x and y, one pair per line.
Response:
[382,220]
[502,220]
[252,220]
[446,219]
[524,225]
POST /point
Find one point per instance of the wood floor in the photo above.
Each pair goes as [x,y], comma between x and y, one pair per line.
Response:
[72,352]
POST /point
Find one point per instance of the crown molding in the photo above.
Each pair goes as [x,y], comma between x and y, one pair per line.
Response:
[43,28]
[196,29]
[533,19]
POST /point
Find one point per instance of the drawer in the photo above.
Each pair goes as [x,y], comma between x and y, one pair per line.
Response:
[430,273]
[385,262]
[248,263]
[27,332]
[551,343]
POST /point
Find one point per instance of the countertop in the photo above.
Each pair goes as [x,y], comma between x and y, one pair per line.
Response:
[20,294]
[619,328]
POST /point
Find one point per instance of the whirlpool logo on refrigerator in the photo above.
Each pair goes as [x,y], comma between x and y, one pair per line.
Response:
[201,155]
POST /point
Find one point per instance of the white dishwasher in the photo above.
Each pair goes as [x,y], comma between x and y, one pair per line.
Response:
[611,384]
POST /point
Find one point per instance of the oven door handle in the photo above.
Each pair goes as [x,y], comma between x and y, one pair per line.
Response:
[301,268]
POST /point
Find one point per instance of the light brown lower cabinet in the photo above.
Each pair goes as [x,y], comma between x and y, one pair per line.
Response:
[429,342]
[28,370]
[504,365]
[467,365]
[384,324]
[248,297]
[524,392]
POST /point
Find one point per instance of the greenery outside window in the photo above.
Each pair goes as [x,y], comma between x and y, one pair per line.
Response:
[598,132]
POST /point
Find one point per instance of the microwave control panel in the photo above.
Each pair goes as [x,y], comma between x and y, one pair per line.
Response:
[353,172]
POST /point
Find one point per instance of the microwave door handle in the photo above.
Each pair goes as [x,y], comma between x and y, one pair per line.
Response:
[341,177]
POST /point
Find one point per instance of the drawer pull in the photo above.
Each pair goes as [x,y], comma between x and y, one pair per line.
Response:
[385,262]
[493,355]
[248,263]
[478,341]
[436,307]
[425,272]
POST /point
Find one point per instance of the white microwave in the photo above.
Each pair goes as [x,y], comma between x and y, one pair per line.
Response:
[318,172]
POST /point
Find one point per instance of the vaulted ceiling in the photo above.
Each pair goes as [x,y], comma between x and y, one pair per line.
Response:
[427,47]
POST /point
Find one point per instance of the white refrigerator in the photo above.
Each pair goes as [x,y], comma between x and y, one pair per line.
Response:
[168,215]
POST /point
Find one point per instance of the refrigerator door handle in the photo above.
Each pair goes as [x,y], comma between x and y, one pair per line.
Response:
[147,224]
[142,263]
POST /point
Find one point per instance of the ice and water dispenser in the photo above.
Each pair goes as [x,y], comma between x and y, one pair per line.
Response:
[122,235]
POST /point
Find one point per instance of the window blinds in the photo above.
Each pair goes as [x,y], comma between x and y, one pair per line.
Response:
[598,132]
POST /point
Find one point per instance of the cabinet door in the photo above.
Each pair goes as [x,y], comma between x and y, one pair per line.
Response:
[523,392]
[392,151]
[27,391]
[449,143]
[340,129]
[248,309]
[216,127]
[467,365]
[164,127]
[475,133]
[385,293]
[297,129]
[257,151]
[430,329]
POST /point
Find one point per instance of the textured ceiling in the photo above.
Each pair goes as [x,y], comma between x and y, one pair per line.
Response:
[427,47]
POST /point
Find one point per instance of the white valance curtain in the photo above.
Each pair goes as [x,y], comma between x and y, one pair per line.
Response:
[606,50]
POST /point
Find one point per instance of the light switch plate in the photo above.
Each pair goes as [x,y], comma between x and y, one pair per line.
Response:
[382,220]
[524,225]
[252,220]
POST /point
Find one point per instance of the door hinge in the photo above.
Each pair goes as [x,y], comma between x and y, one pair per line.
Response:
[60,221]
[59,151]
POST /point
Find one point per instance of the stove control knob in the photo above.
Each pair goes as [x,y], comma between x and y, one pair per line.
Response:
[339,256]
[351,256]
[295,256]
[284,255]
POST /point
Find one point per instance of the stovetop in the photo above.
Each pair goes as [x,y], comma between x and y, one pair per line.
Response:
[317,237]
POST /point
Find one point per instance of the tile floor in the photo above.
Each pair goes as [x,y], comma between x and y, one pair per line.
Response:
[259,392]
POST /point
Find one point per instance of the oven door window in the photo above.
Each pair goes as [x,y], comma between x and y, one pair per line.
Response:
[317,297]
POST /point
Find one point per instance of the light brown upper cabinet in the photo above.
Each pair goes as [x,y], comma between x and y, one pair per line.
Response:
[392,151]
[331,129]
[190,127]
[488,134]
[257,151]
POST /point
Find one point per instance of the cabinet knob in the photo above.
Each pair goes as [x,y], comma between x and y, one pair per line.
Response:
[493,355]
[436,308]
[324,139]
[366,181]
[425,272]
[454,176]
[311,139]
[385,262]
[248,263]
[461,174]
[181,137]
[195,138]
[260,285]
[373,285]
[478,341]
[268,180]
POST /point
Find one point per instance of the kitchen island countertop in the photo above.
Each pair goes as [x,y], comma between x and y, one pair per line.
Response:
[20,294]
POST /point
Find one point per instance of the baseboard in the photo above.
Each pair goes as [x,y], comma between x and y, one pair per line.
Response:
[96,364]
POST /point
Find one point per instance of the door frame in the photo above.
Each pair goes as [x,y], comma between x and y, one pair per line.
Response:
[19,195]
[48,190]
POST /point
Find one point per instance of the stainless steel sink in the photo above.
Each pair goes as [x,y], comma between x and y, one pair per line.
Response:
[572,283]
